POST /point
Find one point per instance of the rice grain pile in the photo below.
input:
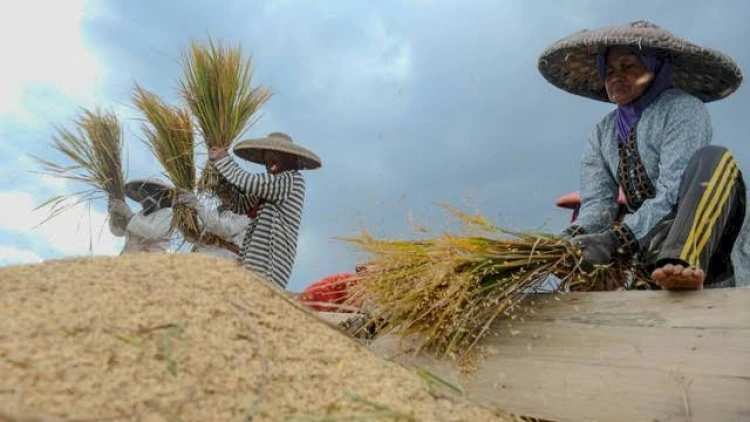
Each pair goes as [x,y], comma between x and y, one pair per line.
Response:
[188,337]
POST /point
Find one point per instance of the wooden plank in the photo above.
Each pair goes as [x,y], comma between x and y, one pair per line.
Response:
[615,356]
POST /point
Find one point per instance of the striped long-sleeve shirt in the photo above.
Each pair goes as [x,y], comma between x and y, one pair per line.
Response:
[270,244]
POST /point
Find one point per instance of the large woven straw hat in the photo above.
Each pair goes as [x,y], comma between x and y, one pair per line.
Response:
[252,150]
[140,189]
[570,63]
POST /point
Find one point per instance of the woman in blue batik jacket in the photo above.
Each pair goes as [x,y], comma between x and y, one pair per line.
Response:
[686,221]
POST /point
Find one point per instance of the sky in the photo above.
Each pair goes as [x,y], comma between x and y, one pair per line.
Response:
[408,103]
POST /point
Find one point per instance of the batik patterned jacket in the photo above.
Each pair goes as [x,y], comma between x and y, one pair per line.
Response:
[669,132]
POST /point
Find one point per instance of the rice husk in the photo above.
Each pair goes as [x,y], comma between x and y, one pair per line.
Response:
[189,337]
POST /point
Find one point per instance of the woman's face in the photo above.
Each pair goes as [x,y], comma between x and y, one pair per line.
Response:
[627,76]
[276,162]
[273,161]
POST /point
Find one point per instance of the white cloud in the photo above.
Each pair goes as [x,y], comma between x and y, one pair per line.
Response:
[80,230]
[10,255]
[390,56]
[381,66]
[44,40]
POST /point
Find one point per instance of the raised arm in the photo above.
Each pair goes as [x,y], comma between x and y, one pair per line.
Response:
[265,185]
[119,216]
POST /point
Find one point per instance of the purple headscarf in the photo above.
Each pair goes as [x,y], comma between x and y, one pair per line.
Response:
[658,63]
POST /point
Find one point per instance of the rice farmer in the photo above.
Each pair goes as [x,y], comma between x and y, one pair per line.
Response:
[330,293]
[270,244]
[572,201]
[228,221]
[686,202]
[149,229]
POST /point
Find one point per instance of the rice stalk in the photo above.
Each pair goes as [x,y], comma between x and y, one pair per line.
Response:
[217,87]
[169,137]
[448,290]
[93,151]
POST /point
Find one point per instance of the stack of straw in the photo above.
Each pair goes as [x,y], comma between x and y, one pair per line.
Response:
[96,155]
[448,290]
[216,86]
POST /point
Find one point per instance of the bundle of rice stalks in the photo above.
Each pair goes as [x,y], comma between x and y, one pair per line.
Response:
[216,86]
[169,136]
[95,150]
[448,290]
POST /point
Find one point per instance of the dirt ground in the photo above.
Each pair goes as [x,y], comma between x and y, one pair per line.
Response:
[187,337]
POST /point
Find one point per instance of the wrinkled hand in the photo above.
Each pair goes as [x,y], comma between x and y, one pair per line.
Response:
[216,153]
[187,199]
[119,208]
[597,249]
[571,232]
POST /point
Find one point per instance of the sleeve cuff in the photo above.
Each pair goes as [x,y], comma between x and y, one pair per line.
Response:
[222,163]
[627,244]
[574,231]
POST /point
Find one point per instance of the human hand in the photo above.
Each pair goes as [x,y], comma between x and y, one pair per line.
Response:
[187,199]
[571,232]
[596,248]
[120,208]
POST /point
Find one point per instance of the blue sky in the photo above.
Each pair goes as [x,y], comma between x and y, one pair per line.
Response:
[408,103]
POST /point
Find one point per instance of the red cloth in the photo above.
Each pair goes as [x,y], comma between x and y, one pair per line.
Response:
[333,289]
[255,207]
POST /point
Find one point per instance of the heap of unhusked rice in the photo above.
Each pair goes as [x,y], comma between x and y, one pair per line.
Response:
[168,337]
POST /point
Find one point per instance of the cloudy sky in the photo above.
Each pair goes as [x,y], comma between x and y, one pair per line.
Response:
[408,103]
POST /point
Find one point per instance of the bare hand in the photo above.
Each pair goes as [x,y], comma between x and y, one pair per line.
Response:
[216,153]
[187,199]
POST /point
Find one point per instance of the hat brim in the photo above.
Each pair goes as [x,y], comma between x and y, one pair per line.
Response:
[252,150]
[140,189]
[570,63]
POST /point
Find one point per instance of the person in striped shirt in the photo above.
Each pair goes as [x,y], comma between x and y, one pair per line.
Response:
[277,197]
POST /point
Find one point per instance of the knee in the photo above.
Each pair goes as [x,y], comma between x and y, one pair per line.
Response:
[711,152]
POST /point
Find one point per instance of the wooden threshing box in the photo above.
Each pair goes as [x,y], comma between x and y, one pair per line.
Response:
[614,356]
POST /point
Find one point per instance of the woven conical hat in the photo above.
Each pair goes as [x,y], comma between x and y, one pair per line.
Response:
[252,150]
[570,63]
[140,189]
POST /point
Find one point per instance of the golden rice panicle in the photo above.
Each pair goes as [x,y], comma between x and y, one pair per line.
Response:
[104,130]
[94,154]
[169,137]
[448,290]
[217,87]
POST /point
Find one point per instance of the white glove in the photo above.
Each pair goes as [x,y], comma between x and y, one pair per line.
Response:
[187,199]
[120,208]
